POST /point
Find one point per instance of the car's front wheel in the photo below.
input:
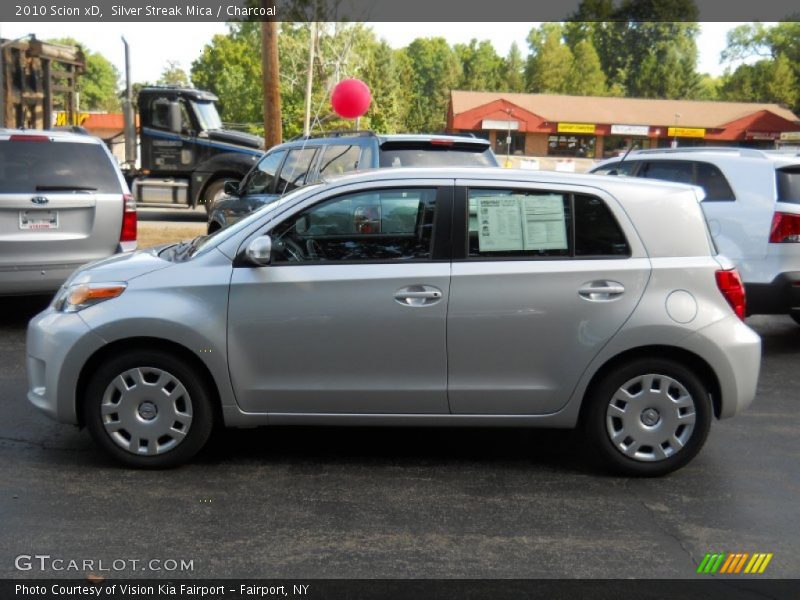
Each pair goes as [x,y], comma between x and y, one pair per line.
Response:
[148,409]
[648,417]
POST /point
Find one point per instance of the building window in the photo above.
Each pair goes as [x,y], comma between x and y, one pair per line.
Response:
[579,146]
[617,145]
[517,143]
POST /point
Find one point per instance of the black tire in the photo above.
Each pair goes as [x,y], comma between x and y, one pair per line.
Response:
[601,420]
[213,190]
[196,402]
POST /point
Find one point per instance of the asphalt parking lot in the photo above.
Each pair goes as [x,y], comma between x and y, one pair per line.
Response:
[422,503]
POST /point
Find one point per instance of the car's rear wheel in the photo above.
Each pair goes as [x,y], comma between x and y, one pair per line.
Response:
[648,417]
[148,409]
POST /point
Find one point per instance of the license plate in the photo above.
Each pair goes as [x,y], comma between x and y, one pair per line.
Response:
[38,219]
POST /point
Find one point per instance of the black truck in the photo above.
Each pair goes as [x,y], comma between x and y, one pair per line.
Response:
[185,154]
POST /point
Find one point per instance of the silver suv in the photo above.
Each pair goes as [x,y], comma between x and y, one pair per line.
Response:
[752,203]
[413,297]
[63,203]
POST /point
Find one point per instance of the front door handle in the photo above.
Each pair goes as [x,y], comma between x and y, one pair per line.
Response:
[418,295]
[601,291]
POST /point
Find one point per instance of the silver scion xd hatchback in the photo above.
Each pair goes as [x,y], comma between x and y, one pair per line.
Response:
[63,203]
[413,297]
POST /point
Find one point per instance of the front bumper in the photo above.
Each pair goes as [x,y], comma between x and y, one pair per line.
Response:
[779,297]
[58,345]
[733,351]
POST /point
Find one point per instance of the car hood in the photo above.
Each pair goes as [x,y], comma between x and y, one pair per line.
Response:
[236,137]
[121,267]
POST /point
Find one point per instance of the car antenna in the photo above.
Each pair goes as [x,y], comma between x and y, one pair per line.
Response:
[624,156]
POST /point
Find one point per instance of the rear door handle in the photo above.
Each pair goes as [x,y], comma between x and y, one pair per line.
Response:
[601,291]
[418,295]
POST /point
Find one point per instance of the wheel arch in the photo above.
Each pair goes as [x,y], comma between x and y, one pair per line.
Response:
[689,359]
[145,343]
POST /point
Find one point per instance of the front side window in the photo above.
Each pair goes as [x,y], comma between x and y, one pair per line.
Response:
[378,225]
[260,180]
[295,169]
[625,167]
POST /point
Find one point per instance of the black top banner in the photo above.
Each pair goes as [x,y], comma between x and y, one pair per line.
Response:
[381,10]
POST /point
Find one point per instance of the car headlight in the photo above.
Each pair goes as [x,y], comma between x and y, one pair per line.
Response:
[78,296]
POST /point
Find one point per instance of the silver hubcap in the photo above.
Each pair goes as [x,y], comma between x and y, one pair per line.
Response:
[146,411]
[650,418]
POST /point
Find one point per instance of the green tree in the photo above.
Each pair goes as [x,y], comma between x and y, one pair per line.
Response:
[98,85]
[173,74]
[482,68]
[435,71]
[646,48]
[549,62]
[586,77]
[513,70]
[763,81]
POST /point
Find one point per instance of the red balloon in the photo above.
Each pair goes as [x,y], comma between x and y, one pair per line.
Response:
[350,98]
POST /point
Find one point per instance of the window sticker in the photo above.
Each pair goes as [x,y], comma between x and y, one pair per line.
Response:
[521,222]
[499,223]
[543,223]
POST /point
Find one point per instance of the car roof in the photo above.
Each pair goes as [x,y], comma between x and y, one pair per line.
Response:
[496,174]
[54,135]
[721,152]
[338,136]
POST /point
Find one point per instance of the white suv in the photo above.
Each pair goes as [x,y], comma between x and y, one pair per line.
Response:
[752,204]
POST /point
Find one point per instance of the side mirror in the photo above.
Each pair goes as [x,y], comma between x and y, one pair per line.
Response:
[231,188]
[175,117]
[259,251]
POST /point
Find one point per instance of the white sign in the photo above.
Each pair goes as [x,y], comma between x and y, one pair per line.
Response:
[521,222]
[630,130]
[497,124]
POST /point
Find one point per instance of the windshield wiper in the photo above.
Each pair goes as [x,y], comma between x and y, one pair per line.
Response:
[187,249]
[66,188]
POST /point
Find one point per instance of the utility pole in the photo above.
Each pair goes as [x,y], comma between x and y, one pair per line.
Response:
[310,78]
[270,73]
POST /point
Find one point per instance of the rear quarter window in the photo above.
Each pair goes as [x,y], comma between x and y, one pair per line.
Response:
[788,180]
[28,166]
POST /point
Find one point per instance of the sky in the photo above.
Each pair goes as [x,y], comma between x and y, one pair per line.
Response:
[153,44]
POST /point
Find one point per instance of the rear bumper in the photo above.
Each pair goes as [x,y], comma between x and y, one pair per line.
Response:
[34,279]
[733,351]
[780,296]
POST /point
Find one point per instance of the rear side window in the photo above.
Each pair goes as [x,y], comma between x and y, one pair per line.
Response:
[340,159]
[518,224]
[669,170]
[33,166]
[789,184]
[432,155]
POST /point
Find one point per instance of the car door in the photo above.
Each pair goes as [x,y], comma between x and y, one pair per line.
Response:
[543,276]
[350,315]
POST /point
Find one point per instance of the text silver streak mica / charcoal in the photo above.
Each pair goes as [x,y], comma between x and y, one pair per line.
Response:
[413,297]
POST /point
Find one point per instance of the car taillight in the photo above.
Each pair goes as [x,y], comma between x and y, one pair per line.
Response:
[440,142]
[128,233]
[730,284]
[28,138]
[785,228]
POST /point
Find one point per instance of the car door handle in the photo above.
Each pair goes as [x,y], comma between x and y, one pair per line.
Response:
[601,290]
[418,295]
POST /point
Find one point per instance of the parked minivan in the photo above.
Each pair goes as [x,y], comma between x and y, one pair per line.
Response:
[63,203]
[449,296]
[752,203]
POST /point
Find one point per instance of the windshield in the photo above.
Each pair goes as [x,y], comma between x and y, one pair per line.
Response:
[225,233]
[207,115]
